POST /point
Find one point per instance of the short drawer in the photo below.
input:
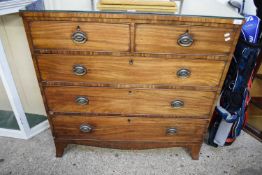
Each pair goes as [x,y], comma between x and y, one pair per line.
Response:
[192,39]
[129,101]
[80,36]
[129,129]
[126,70]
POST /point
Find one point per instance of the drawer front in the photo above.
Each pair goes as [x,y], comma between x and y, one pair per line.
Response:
[129,129]
[164,39]
[129,101]
[124,70]
[80,36]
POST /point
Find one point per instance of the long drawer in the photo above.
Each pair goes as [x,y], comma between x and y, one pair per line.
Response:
[193,39]
[129,129]
[126,70]
[129,101]
[80,36]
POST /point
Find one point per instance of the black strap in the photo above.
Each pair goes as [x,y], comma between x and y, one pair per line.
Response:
[259,45]
[258,4]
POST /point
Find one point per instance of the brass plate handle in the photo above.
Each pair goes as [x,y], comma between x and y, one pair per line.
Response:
[81,100]
[79,70]
[177,104]
[183,73]
[86,128]
[171,131]
[185,40]
[79,37]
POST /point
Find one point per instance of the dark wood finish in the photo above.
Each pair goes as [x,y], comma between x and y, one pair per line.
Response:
[127,145]
[164,39]
[194,151]
[259,76]
[118,91]
[129,101]
[253,132]
[258,66]
[60,147]
[256,101]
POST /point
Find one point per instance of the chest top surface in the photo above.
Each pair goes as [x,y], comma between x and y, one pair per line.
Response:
[200,8]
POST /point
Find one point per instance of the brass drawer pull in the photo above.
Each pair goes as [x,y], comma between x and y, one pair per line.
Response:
[82,100]
[176,104]
[79,37]
[79,70]
[185,40]
[86,128]
[171,131]
[131,62]
[183,73]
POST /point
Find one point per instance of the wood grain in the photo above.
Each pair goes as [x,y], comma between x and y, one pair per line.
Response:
[126,145]
[163,39]
[194,151]
[133,86]
[114,39]
[129,101]
[129,129]
[125,17]
[101,36]
[117,70]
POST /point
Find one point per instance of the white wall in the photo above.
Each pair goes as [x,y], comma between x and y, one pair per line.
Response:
[4,102]
[19,58]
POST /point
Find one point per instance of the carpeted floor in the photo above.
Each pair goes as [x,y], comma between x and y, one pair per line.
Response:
[37,157]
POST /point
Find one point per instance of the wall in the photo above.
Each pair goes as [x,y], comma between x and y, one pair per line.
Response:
[19,58]
[4,102]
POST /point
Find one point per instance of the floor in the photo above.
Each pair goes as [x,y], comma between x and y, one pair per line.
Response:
[36,156]
[255,117]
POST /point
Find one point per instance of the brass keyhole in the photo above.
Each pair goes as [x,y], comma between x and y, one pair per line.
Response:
[131,62]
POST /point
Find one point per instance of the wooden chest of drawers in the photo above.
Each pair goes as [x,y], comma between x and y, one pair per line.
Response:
[129,81]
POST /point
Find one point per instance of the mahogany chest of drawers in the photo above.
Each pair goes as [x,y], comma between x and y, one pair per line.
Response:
[129,81]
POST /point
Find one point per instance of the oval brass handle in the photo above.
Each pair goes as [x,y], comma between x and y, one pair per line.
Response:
[185,40]
[171,131]
[82,100]
[183,73]
[79,37]
[176,104]
[86,128]
[79,70]
[131,62]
